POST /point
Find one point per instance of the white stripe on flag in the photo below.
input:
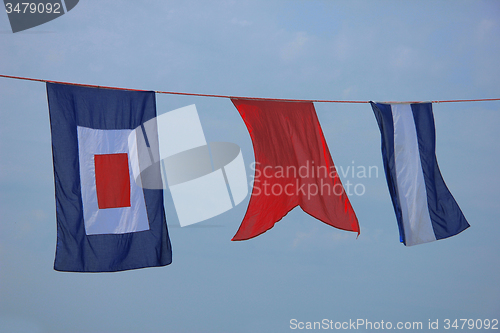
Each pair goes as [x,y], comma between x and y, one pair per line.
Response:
[410,178]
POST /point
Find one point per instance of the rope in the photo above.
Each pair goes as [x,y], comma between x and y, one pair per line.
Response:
[240,97]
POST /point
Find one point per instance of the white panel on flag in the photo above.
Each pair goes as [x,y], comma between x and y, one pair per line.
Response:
[118,220]
[134,162]
[411,186]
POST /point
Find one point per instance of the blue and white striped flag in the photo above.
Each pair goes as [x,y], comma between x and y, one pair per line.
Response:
[425,209]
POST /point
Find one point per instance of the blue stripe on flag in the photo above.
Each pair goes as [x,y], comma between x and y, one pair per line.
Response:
[383,114]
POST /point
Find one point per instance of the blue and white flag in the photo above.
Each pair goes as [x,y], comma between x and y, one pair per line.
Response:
[106,221]
[425,209]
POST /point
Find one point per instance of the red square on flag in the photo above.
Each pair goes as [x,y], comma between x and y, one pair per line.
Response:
[112,180]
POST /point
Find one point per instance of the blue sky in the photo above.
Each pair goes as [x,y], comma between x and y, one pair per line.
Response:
[301,269]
